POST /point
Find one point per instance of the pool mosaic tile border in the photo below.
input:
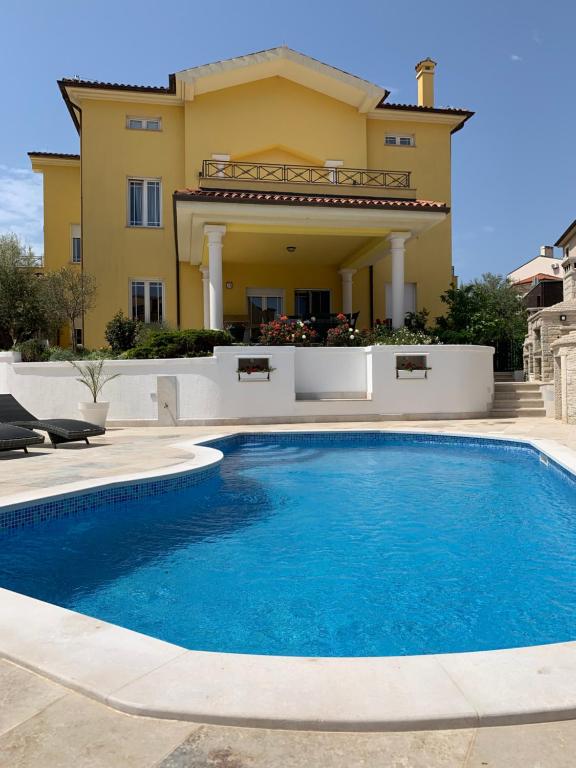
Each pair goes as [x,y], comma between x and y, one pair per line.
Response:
[369,437]
[75,503]
[366,437]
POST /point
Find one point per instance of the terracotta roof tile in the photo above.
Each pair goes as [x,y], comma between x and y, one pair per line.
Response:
[541,276]
[62,155]
[419,108]
[290,198]
[77,83]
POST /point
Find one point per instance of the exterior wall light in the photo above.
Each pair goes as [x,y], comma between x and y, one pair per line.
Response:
[290,248]
[229,284]
[563,318]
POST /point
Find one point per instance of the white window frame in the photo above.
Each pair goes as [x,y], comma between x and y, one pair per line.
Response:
[407,139]
[145,181]
[75,234]
[145,123]
[147,282]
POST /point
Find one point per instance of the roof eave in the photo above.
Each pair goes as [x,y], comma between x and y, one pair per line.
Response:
[331,201]
[62,85]
[465,114]
[566,236]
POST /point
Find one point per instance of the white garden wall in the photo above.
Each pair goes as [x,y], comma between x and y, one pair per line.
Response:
[306,384]
[337,370]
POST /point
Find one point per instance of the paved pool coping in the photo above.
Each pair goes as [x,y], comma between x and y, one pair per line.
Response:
[142,675]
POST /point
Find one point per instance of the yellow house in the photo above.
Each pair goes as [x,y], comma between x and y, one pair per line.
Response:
[269,183]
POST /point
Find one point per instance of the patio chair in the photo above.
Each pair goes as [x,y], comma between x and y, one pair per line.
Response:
[59,430]
[17,438]
[353,319]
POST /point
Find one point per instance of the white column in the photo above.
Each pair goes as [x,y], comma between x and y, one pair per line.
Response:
[397,248]
[347,301]
[215,233]
[206,295]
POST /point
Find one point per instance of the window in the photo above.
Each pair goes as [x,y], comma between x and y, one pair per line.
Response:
[79,336]
[144,123]
[75,244]
[311,303]
[144,203]
[147,301]
[399,141]
[264,304]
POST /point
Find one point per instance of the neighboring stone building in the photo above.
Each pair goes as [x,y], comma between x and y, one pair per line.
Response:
[564,350]
[550,346]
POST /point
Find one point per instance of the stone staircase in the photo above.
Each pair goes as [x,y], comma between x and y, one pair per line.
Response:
[513,399]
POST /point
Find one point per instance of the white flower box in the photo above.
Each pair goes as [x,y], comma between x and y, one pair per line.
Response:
[411,374]
[255,376]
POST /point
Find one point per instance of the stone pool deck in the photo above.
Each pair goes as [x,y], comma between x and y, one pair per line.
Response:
[43,723]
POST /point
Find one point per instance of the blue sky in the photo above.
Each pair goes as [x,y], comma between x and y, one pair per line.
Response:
[514,164]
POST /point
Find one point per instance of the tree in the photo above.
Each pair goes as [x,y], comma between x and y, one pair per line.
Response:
[21,307]
[485,311]
[69,293]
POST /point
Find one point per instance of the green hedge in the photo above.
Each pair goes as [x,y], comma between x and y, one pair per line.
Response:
[190,343]
[33,351]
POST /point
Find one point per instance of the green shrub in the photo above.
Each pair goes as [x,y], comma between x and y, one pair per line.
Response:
[384,335]
[145,330]
[104,353]
[59,353]
[189,343]
[122,333]
[33,351]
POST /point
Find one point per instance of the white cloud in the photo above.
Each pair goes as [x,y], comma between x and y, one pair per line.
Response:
[515,57]
[21,206]
[537,37]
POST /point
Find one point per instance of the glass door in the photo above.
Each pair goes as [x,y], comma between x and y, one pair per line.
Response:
[311,303]
[264,305]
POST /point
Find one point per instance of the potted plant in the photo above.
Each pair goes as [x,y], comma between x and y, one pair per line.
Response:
[411,367]
[93,377]
[254,369]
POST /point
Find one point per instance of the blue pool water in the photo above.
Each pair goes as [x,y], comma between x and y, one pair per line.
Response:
[315,546]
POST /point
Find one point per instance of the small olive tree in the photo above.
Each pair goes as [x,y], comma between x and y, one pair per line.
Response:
[68,294]
[22,311]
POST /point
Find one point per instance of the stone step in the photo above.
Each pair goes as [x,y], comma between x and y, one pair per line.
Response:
[330,397]
[514,405]
[517,413]
[517,396]
[526,402]
[516,386]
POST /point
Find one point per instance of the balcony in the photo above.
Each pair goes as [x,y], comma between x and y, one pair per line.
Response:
[271,173]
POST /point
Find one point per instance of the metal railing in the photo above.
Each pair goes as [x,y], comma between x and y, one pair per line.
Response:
[304,174]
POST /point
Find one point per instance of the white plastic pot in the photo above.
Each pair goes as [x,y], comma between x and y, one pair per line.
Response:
[94,413]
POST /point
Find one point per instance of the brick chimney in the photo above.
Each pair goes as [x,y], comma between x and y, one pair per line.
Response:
[547,250]
[425,79]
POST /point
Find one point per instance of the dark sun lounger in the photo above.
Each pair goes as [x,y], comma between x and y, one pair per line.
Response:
[59,430]
[17,438]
